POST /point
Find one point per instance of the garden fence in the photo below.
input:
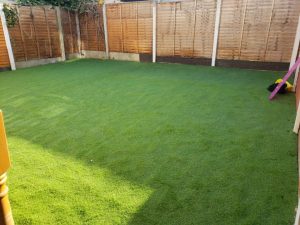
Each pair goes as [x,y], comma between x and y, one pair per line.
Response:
[249,31]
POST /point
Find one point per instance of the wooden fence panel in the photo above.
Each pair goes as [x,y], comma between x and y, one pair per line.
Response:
[83,33]
[28,33]
[230,33]
[204,28]
[165,35]
[114,24]
[18,42]
[186,28]
[36,34]
[130,27]
[129,21]
[282,30]
[4,59]
[54,33]
[70,31]
[258,30]
[255,31]
[92,31]
[144,14]
[39,23]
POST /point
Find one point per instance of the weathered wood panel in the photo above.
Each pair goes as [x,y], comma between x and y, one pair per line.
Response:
[70,31]
[114,28]
[165,35]
[92,31]
[54,33]
[282,30]
[144,21]
[4,59]
[204,28]
[258,30]
[186,28]
[36,34]
[130,27]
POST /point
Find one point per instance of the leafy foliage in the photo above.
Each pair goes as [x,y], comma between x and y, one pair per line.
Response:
[81,6]
[76,5]
[11,15]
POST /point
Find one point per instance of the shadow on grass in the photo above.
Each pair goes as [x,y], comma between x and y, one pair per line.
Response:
[203,140]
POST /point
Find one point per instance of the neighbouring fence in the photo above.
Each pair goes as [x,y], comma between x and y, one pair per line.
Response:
[4,59]
[255,31]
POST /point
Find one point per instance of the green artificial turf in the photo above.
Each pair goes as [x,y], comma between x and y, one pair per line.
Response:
[108,142]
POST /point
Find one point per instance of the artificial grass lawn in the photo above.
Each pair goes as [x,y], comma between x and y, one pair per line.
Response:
[108,142]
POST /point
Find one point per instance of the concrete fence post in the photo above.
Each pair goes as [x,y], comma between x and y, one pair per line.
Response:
[216,33]
[105,31]
[154,16]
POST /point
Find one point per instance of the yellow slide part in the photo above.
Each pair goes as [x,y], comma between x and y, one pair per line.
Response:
[289,87]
